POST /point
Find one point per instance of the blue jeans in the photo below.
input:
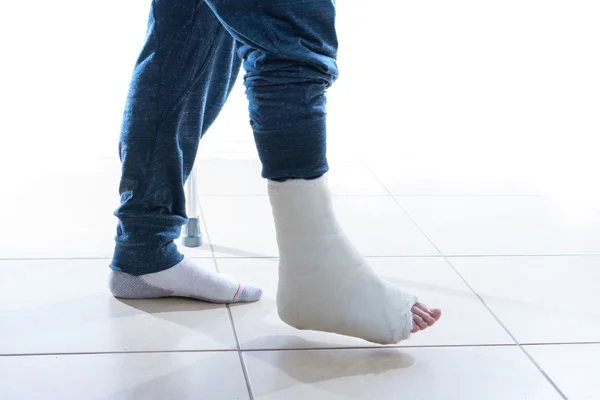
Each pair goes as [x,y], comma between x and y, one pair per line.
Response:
[185,71]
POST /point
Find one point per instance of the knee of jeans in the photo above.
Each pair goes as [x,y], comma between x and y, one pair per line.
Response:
[309,71]
[272,32]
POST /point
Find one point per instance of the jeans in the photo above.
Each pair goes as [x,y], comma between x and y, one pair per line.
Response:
[182,78]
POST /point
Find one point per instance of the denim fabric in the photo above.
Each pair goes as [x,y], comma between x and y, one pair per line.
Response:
[186,69]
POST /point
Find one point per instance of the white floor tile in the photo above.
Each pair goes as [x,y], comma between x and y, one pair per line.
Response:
[437,285]
[65,307]
[154,376]
[379,227]
[230,176]
[63,210]
[539,299]
[505,225]
[425,174]
[432,279]
[243,226]
[450,130]
[573,368]
[473,373]
[240,226]
[58,211]
[204,251]
[353,178]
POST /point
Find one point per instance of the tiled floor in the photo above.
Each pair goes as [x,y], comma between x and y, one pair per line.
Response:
[441,179]
[516,275]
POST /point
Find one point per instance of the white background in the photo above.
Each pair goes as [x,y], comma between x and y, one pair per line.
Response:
[508,89]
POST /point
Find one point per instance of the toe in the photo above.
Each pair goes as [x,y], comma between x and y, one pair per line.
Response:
[436,313]
[428,318]
[417,320]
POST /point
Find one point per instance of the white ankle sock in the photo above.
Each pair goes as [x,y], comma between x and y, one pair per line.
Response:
[185,279]
[325,284]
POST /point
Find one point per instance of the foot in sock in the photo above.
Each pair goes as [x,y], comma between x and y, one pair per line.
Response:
[185,279]
[325,284]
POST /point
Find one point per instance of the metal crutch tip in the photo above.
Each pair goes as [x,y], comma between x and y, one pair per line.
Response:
[192,234]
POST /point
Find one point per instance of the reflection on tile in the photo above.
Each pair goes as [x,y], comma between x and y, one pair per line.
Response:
[65,307]
[353,178]
[437,285]
[242,226]
[204,251]
[434,281]
[379,227]
[59,212]
[539,299]
[154,376]
[405,175]
[443,133]
[573,368]
[257,324]
[466,373]
[230,176]
[505,225]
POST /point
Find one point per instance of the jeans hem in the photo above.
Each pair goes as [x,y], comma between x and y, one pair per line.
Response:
[156,267]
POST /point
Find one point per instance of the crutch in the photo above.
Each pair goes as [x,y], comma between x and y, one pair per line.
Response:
[192,234]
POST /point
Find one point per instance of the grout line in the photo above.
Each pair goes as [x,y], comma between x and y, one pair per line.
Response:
[219,257]
[207,235]
[513,337]
[205,225]
[475,293]
[524,350]
[246,375]
[70,258]
[266,195]
[560,392]
[234,330]
[388,194]
[438,256]
[96,353]
[422,346]
[366,164]
[471,195]
[240,355]
[240,350]
[560,344]
[519,345]
[426,346]
[522,255]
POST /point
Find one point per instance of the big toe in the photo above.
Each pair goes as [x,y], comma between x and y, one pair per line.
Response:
[436,313]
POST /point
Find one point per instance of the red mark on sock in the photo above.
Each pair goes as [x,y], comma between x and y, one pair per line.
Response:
[237,291]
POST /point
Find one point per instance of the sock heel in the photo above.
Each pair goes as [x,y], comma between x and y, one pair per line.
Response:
[126,286]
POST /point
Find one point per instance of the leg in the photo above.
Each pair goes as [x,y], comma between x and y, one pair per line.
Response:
[325,284]
[289,50]
[180,83]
